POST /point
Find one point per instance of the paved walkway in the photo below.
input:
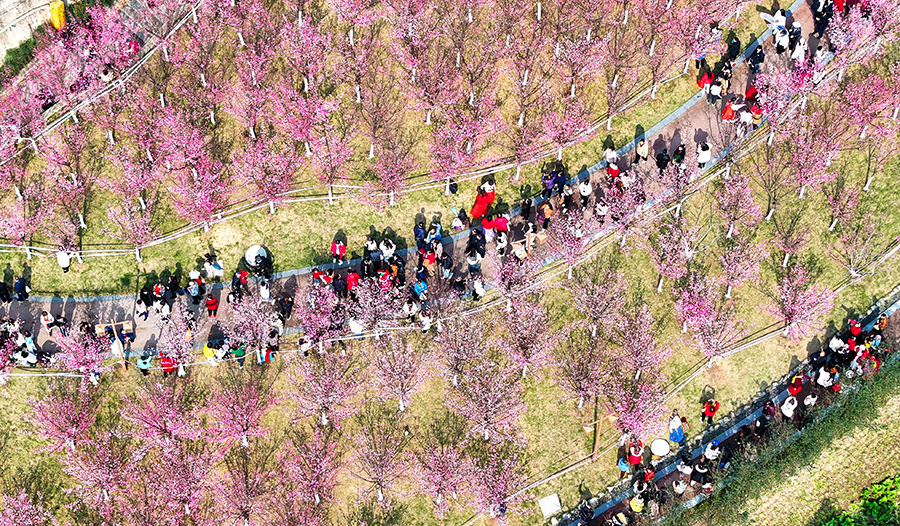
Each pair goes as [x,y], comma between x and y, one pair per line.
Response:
[692,122]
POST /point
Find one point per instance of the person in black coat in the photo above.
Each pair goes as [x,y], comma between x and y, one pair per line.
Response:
[734,48]
[662,159]
[367,268]
[285,307]
[340,286]
[757,58]
[794,35]
[447,265]
[146,297]
[21,288]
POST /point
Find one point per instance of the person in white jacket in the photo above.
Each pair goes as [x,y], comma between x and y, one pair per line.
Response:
[788,407]
[704,154]
[799,54]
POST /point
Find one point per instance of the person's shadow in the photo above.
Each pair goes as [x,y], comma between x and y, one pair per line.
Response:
[8,275]
[659,144]
[700,135]
[676,141]
[707,394]
[26,273]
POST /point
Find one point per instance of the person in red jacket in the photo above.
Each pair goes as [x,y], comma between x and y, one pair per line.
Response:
[796,384]
[709,410]
[482,201]
[338,251]
[635,453]
[212,306]
[352,280]
[167,364]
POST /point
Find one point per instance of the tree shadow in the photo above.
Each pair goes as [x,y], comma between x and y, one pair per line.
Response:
[827,510]
[775,7]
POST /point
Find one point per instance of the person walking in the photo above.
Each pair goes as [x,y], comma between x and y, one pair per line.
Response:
[447,265]
[286,306]
[799,53]
[663,159]
[642,151]
[715,92]
[21,288]
[141,309]
[704,154]
[212,306]
[4,293]
[585,190]
[710,407]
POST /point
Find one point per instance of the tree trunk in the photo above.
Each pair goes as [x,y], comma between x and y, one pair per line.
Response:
[569,274]
[524,370]
[330,195]
[580,403]
[402,406]
[868,183]
[455,380]
[684,327]
[212,117]
[609,122]
[244,441]
[833,224]
[137,255]
[659,284]
[803,192]
[271,207]
[770,214]
[728,293]
[730,231]
[787,256]
[323,420]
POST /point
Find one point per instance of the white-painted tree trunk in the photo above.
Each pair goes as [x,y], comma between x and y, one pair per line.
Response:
[684,327]
[143,204]
[137,255]
[833,224]
[305,84]
[428,118]
[624,236]
[770,214]
[18,194]
[194,15]
[318,500]
[371,151]
[81,220]
[455,380]
[868,184]
[447,187]
[659,284]
[507,40]
[518,173]
[508,305]
[625,20]
[393,202]
[109,136]
[784,262]
[559,154]
[572,91]
[653,91]
[521,121]
[609,122]
[75,117]
[323,420]
[469,17]
[252,133]
[165,53]
[271,207]
[539,11]
[27,252]
[770,139]
[458,59]
[78,257]
[730,231]
[402,406]
[728,293]
[244,441]
[486,436]
[212,117]
[330,196]
[525,78]
[593,330]
[589,34]
[569,274]
[241,39]
[524,370]
[678,209]
[802,192]
[358,95]
[687,64]
[352,41]
[615,81]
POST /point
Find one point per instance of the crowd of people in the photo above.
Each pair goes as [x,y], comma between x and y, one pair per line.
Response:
[855,353]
